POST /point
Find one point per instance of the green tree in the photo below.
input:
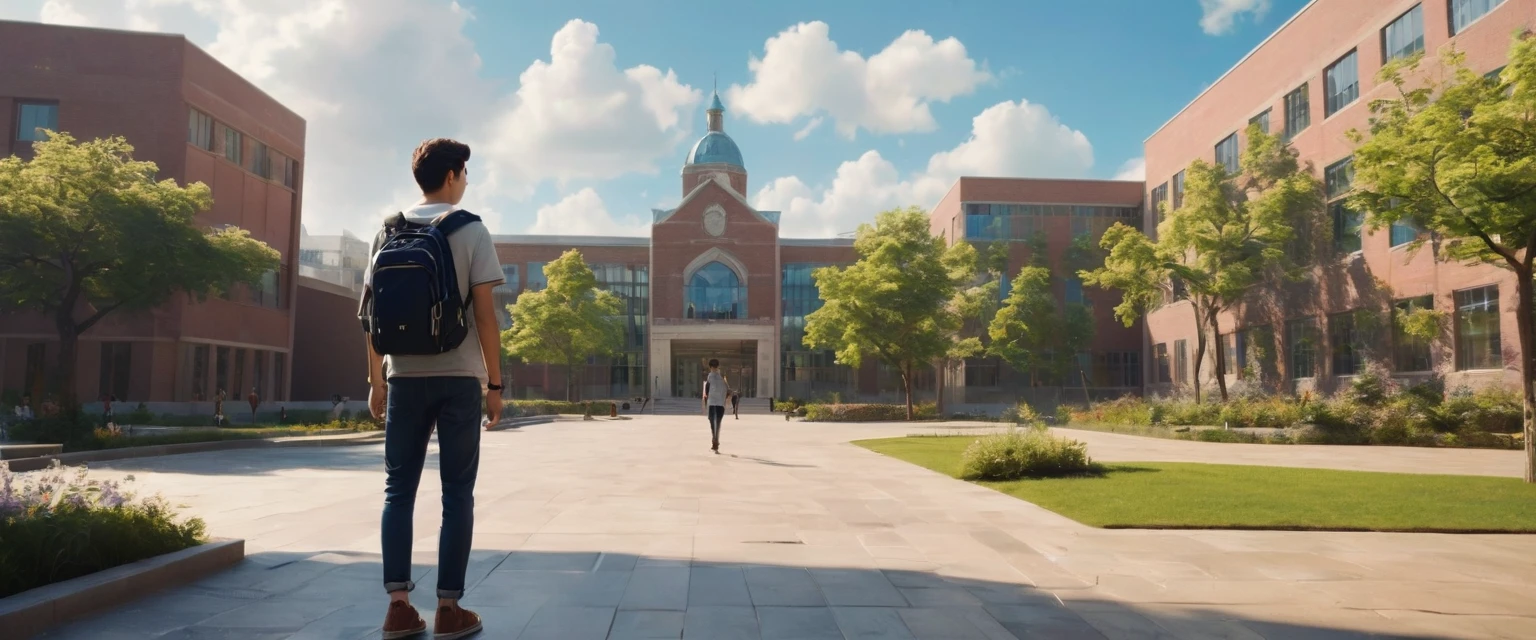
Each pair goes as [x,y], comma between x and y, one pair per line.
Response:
[1233,232]
[1034,334]
[86,230]
[567,322]
[1454,154]
[897,303]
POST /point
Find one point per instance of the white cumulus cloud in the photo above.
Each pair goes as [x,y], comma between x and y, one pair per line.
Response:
[803,73]
[1133,169]
[1219,16]
[373,78]
[1008,139]
[583,213]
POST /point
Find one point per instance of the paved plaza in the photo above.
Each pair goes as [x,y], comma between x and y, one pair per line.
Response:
[632,529]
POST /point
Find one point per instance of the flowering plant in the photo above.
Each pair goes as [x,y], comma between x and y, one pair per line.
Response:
[55,488]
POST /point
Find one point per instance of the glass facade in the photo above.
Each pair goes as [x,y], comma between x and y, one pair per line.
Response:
[1160,354]
[505,295]
[1159,197]
[1181,362]
[1349,342]
[116,365]
[1341,83]
[199,130]
[1227,152]
[1117,369]
[1465,12]
[1477,329]
[1337,179]
[1298,112]
[626,370]
[536,279]
[1405,36]
[1178,189]
[806,373]
[715,292]
[232,145]
[992,222]
[1404,233]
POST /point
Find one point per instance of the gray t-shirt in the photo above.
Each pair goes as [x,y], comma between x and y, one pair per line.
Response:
[714,389]
[474,261]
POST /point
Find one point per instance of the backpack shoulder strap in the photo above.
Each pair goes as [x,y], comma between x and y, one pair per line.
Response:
[454,220]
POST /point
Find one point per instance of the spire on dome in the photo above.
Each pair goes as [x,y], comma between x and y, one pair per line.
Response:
[715,115]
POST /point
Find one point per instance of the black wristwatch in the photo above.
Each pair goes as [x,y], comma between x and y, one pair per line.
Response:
[493,387]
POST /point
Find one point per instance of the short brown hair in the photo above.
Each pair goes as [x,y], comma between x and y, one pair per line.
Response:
[435,159]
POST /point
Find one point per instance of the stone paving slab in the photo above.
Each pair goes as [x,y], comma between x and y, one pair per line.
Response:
[633,529]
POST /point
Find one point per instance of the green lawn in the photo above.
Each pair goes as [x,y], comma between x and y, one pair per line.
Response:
[1218,496]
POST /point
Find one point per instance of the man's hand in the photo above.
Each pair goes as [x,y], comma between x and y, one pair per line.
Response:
[493,406]
[376,398]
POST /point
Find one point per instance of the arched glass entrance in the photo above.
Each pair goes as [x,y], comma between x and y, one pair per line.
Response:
[715,292]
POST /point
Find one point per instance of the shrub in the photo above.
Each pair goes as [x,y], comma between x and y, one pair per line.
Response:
[551,407]
[867,412]
[787,405]
[1126,410]
[1024,453]
[1224,435]
[105,527]
[1022,414]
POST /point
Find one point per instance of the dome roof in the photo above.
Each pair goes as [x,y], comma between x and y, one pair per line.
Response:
[716,147]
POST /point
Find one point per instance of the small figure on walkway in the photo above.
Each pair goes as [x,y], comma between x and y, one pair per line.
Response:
[736,403]
[255,400]
[218,408]
[715,390]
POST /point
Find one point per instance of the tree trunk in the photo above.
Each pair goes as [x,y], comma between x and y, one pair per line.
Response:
[1525,316]
[1221,353]
[906,383]
[1199,351]
[69,349]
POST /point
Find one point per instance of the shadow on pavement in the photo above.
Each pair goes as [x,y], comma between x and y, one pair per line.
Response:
[597,595]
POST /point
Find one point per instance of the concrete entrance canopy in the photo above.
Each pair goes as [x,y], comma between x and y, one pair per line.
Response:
[666,331]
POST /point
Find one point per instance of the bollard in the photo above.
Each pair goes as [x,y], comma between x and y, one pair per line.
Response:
[613,410]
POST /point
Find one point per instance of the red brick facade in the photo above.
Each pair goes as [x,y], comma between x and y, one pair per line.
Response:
[1296,56]
[142,86]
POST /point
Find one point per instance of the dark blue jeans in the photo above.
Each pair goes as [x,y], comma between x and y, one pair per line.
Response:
[716,414]
[454,405]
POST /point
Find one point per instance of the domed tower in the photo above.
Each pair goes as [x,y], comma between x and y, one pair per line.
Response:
[715,156]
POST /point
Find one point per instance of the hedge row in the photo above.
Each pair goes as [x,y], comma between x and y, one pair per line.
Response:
[867,412]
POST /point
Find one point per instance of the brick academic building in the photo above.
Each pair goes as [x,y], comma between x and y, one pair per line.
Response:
[716,280]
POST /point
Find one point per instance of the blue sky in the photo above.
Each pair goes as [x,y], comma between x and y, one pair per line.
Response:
[563,155]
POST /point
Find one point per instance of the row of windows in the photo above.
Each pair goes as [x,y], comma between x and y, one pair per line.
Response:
[207,134]
[1352,337]
[1034,210]
[230,374]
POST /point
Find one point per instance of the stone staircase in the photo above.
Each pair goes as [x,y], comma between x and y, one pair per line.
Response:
[691,407]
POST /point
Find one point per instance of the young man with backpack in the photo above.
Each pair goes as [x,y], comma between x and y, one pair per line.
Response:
[433,353]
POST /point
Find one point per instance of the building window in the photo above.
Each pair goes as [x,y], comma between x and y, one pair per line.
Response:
[290,172]
[37,368]
[200,372]
[1346,228]
[1477,329]
[1227,152]
[1117,369]
[1465,12]
[1178,189]
[237,392]
[1298,112]
[1181,362]
[505,295]
[1337,179]
[986,221]
[1160,352]
[1081,227]
[232,145]
[221,369]
[1349,342]
[715,293]
[33,118]
[536,279]
[1262,120]
[1405,36]
[1341,83]
[1228,347]
[1301,339]
[1074,291]
[268,291]
[279,383]
[260,162]
[199,130]
[1409,353]
[259,373]
[1403,233]
[1159,196]
[116,360]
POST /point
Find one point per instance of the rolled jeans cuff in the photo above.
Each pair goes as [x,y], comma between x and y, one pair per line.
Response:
[445,594]
[391,587]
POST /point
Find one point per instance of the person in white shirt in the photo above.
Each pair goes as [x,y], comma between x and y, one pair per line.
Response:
[715,391]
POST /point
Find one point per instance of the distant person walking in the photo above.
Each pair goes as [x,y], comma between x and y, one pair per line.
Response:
[218,408]
[736,403]
[255,400]
[715,390]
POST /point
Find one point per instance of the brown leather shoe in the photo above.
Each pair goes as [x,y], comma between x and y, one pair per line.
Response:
[402,621]
[455,622]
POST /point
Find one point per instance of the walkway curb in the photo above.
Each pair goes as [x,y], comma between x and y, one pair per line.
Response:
[523,421]
[125,453]
[32,612]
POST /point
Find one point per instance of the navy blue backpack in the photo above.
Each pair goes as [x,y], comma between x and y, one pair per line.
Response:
[412,306]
